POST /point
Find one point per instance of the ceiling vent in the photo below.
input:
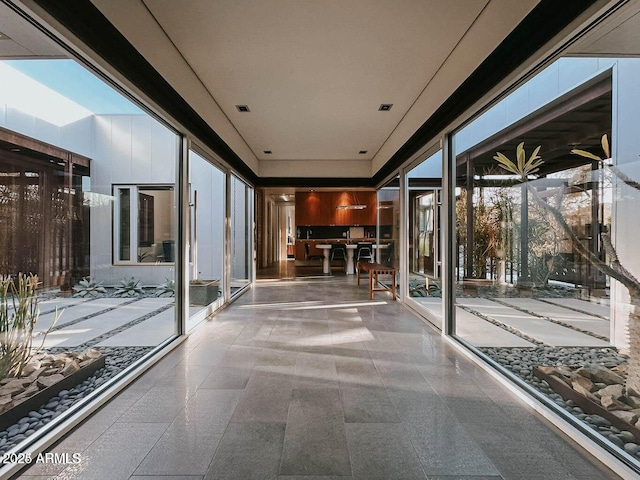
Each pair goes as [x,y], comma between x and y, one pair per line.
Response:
[385,107]
[267,152]
[243,108]
[362,152]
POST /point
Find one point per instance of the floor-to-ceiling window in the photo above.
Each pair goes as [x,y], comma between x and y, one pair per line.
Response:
[546,277]
[241,234]
[424,262]
[88,204]
[389,224]
[207,211]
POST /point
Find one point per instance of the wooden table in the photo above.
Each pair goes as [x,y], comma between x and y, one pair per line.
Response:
[375,269]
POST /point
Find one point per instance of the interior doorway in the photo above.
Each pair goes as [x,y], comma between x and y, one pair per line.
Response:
[278,227]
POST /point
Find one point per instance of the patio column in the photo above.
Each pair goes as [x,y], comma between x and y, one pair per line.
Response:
[523,274]
[470,220]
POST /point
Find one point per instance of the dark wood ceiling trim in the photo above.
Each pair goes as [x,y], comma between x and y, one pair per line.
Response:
[87,23]
[545,21]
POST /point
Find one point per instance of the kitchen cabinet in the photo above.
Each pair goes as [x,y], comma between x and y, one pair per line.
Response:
[320,208]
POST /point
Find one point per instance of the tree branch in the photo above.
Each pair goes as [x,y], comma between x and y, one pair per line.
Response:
[615,270]
[626,179]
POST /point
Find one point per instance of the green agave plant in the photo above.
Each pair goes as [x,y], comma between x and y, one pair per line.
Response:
[166,289]
[128,288]
[87,287]
[523,168]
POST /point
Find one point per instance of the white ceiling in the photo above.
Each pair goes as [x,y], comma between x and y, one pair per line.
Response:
[314,72]
[21,40]
[618,36]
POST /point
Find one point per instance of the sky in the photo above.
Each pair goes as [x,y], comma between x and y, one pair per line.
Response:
[75,82]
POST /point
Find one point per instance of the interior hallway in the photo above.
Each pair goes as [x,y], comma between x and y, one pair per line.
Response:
[308,379]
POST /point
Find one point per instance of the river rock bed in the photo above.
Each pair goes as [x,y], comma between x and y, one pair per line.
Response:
[521,361]
[116,360]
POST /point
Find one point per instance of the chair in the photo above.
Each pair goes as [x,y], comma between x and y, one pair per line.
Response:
[364,251]
[338,252]
[309,257]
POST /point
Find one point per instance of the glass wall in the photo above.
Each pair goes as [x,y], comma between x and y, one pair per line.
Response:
[88,204]
[547,259]
[207,211]
[389,221]
[424,263]
[241,234]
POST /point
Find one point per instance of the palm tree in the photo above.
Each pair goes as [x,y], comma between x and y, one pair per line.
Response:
[524,167]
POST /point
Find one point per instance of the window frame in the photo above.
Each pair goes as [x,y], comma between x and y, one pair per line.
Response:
[134,190]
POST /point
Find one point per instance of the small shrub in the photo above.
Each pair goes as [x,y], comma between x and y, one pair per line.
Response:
[128,288]
[166,289]
[88,288]
[417,288]
[19,313]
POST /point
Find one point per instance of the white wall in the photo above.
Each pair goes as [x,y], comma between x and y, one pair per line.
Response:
[626,151]
[239,245]
[127,149]
[209,182]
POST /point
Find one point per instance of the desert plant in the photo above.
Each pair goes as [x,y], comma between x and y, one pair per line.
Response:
[166,289]
[417,288]
[613,268]
[128,288]
[88,288]
[19,313]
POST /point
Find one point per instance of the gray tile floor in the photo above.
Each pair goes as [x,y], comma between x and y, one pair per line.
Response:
[311,380]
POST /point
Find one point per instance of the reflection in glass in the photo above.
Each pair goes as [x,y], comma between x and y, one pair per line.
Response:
[424,184]
[124,224]
[206,244]
[388,204]
[241,234]
[546,246]
[87,203]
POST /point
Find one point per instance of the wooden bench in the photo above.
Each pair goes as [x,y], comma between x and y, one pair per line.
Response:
[375,269]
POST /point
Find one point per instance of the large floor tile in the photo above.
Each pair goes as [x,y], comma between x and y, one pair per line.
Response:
[445,448]
[382,451]
[367,404]
[117,453]
[315,439]
[266,397]
[166,477]
[284,384]
[159,404]
[248,451]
